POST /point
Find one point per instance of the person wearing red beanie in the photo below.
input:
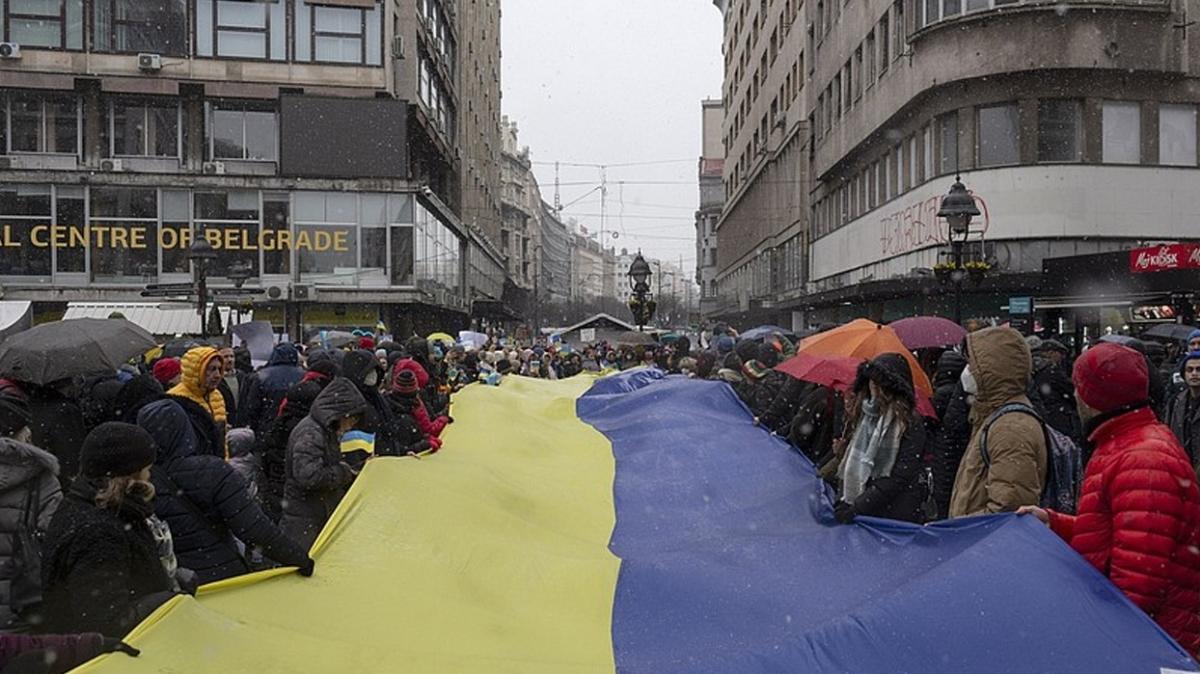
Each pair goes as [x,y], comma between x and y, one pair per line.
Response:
[1139,510]
[167,371]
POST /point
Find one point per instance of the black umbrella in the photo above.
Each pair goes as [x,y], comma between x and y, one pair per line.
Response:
[62,349]
[1173,331]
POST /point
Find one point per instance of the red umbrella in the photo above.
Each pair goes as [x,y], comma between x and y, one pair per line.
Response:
[924,332]
[832,371]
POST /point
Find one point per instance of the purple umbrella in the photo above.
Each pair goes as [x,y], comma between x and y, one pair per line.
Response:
[924,332]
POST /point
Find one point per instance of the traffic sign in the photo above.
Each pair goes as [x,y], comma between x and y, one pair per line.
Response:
[167,292]
[236,291]
[186,287]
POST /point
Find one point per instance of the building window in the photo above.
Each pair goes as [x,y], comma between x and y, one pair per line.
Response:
[53,24]
[39,124]
[1059,130]
[927,135]
[133,211]
[433,95]
[132,26]
[1177,135]
[143,129]
[241,133]
[869,59]
[338,34]
[244,29]
[998,139]
[1122,133]
[885,39]
[947,143]
[23,208]
[899,154]
[913,178]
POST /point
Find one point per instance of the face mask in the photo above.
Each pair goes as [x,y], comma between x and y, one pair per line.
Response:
[970,386]
[372,378]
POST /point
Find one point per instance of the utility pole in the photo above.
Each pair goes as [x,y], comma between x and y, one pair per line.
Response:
[557,197]
[603,200]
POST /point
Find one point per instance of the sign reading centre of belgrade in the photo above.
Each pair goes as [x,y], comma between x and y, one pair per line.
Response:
[1165,258]
[168,238]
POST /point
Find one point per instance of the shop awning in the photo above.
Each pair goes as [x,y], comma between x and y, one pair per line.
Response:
[15,316]
[157,319]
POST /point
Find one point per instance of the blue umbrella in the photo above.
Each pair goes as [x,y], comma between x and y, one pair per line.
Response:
[764,331]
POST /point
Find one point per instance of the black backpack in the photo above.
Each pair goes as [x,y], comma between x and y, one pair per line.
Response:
[1064,461]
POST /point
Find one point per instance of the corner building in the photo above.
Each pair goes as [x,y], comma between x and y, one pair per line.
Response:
[1074,125]
[314,142]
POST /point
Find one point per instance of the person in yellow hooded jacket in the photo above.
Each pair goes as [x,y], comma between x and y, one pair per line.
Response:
[198,395]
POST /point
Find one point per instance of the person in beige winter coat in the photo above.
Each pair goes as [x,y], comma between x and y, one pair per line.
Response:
[999,367]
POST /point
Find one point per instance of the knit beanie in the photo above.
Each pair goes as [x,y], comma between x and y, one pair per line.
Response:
[166,369]
[724,344]
[366,343]
[14,415]
[114,449]
[1109,376]
[1195,334]
[405,383]
[240,441]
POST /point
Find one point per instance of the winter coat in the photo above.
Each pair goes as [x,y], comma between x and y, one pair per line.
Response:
[782,409]
[816,424]
[1139,521]
[411,427]
[206,503]
[100,567]
[899,495]
[1184,420]
[134,395]
[316,476]
[272,445]
[1000,361]
[29,495]
[947,448]
[946,380]
[191,384]
[1057,395]
[357,366]
[262,392]
[58,428]
[50,653]
[430,425]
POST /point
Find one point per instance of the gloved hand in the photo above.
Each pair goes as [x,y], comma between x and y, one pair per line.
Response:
[112,645]
[187,579]
[843,512]
[306,569]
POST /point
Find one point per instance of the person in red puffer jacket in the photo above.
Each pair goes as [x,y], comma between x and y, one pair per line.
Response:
[1139,510]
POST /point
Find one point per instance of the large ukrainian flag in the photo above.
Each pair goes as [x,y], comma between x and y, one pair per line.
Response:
[645,526]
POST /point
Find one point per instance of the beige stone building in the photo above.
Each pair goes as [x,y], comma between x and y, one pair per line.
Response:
[521,204]
[1074,125]
[480,138]
[321,146]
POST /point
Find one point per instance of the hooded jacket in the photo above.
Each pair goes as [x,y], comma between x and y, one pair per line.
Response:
[58,427]
[206,503]
[899,494]
[262,392]
[430,426]
[1183,416]
[273,444]
[1000,360]
[945,380]
[316,477]
[29,495]
[206,411]
[100,567]
[357,367]
[1139,521]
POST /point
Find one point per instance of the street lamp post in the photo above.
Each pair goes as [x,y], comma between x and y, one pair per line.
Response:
[958,207]
[239,273]
[201,253]
[640,304]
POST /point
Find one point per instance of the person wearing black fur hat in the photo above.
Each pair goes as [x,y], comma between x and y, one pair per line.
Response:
[879,474]
[101,565]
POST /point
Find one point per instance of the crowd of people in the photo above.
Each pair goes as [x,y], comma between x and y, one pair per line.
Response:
[1105,449]
[122,490]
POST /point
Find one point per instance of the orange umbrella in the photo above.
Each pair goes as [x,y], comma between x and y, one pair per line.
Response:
[865,339]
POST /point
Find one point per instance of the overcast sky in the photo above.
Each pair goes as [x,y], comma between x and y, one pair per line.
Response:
[616,82]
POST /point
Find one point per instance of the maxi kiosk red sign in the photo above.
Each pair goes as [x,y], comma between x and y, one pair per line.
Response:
[1165,258]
